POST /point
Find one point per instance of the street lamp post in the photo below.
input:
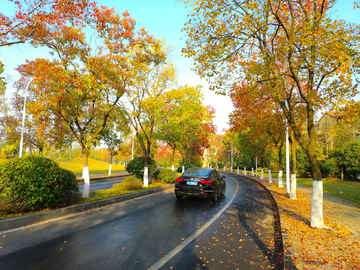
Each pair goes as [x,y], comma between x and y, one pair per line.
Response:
[287,156]
[23,119]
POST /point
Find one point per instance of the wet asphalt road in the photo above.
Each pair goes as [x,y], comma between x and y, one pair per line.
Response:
[157,232]
[102,184]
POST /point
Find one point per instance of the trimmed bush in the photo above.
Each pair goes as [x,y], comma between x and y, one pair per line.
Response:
[136,167]
[187,166]
[129,183]
[165,176]
[35,183]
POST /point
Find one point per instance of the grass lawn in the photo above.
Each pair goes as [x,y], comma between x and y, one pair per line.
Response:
[348,190]
[95,166]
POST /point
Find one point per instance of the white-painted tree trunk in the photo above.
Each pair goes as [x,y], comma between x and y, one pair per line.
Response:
[109,170]
[293,187]
[270,177]
[280,180]
[86,177]
[316,219]
[262,174]
[244,170]
[252,172]
[173,168]
[183,169]
[146,176]
[224,168]
[237,170]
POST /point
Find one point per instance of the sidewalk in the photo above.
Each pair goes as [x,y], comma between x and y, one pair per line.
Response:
[308,248]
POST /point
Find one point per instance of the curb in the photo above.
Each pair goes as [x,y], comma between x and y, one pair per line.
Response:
[283,234]
[43,216]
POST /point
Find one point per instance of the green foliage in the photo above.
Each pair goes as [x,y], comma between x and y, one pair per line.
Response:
[187,166]
[136,167]
[350,159]
[129,183]
[330,167]
[10,151]
[221,165]
[165,176]
[303,163]
[34,183]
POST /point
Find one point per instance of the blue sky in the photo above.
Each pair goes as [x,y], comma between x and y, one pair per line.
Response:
[163,19]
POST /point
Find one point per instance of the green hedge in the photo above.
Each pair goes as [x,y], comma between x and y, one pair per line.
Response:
[34,183]
[136,167]
[165,176]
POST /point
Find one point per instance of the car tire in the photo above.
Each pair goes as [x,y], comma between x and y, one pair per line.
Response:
[223,191]
[179,196]
[215,196]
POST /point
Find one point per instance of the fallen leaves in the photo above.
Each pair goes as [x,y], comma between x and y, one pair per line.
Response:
[310,248]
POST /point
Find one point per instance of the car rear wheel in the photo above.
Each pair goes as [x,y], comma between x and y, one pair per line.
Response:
[215,196]
[223,191]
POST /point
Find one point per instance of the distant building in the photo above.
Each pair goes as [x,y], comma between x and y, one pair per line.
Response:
[332,130]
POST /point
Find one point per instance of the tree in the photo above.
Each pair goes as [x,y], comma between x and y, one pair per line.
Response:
[186,122]
[350,159]
[82,90]
[34,20]
[153,77]
[112,141]
[292,47]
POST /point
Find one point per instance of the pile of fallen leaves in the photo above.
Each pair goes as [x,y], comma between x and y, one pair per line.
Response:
[308,248]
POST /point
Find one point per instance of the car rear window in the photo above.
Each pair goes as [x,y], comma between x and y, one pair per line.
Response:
[197,172]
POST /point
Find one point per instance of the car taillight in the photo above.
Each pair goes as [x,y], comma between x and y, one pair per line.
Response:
[206,182]
[179,180]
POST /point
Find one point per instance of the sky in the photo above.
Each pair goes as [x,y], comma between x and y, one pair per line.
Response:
[163,19]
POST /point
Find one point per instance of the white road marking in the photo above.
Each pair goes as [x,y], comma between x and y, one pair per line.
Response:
[187,241]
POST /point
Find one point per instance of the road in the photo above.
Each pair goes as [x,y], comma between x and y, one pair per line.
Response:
[239,231]
[102,184]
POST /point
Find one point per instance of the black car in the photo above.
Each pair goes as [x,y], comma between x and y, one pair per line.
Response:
[200,182]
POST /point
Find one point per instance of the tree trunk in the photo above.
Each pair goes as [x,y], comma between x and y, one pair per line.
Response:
[173,160]
[316,219]
[269,170]
[86,190]
[146,171]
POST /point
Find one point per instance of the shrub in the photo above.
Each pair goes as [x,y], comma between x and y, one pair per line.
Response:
[187,166]
[129,183]
[350,159]
[34,183]
[303,163]
[136,167]
[330,167]
[165,176]
[221,165]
